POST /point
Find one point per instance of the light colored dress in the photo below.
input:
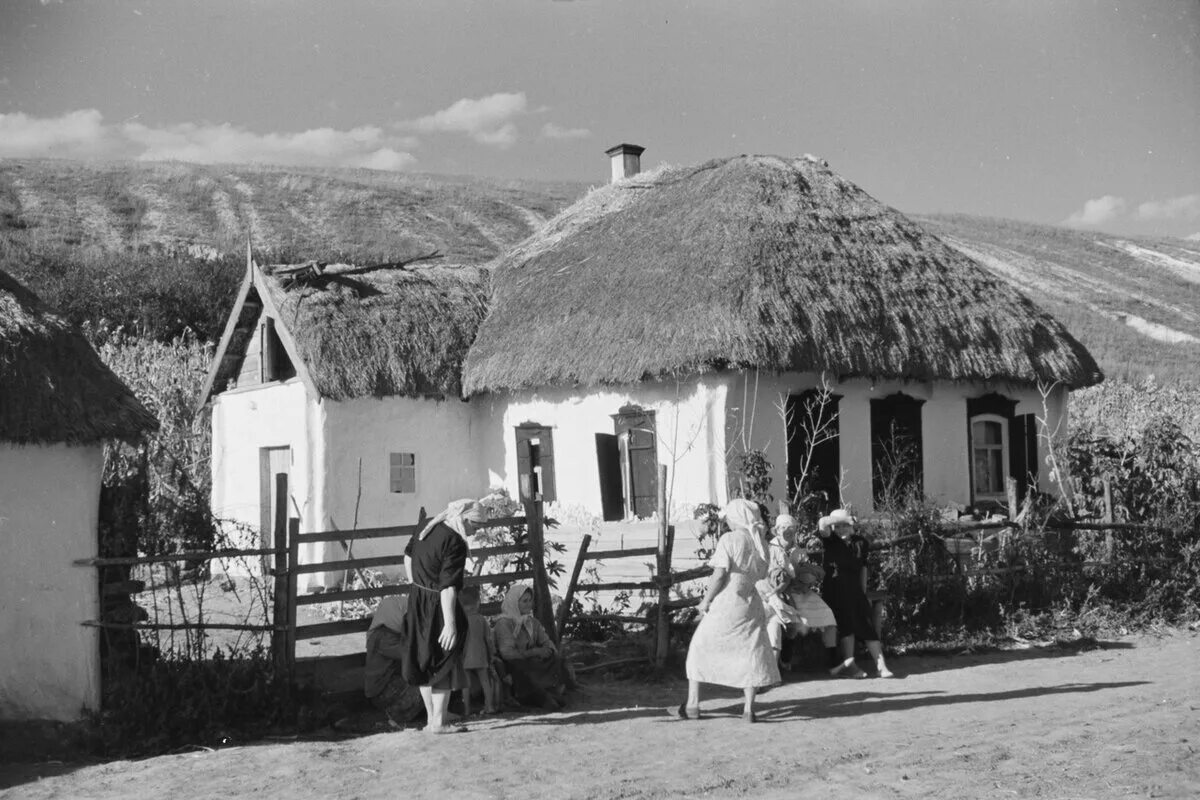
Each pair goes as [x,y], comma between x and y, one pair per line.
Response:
[806,609]
[730,646]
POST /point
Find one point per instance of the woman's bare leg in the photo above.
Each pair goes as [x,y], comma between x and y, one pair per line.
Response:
[693,698]
[875,648]
[748,709]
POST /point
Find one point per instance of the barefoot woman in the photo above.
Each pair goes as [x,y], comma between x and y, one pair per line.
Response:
[435,625]
[730,646]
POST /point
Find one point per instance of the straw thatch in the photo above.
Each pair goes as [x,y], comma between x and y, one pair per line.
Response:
[53,386]
[387,332]
[754,261]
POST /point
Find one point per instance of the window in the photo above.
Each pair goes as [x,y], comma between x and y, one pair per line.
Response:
[403,478]
[276,365]
[814,465]
[897,461]
[989,457]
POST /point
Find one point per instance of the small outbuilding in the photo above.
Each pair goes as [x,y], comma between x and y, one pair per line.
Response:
[58,404]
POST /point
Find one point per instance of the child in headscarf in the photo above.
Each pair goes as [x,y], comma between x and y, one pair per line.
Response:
[383,684]
[529,654]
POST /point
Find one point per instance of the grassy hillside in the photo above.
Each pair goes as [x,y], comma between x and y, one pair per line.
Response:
[87,235]
[313,213]
[1133,301]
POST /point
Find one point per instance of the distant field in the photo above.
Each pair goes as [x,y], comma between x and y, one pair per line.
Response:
[1134,302]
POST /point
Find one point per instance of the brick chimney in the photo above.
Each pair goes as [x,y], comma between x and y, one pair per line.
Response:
[626,160]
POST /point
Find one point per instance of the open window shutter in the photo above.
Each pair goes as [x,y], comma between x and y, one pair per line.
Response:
[1017,459]
[608,459]
[524,465]
[1031,449]
[546,462]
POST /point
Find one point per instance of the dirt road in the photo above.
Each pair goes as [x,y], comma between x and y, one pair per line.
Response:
[1119,721]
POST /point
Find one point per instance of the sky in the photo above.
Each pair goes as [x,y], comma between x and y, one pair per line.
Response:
[1085,114]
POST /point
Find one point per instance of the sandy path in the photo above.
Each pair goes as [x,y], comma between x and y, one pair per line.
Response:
[1121,721]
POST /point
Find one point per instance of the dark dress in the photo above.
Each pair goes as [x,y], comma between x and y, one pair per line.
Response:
[437,562]
[842,591]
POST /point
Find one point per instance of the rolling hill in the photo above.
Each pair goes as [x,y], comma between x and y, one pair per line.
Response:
[1134,302]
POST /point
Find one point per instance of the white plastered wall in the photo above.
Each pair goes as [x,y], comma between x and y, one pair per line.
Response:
[754,421]
[690,436]
[445,436]
[244,422]
[49,509]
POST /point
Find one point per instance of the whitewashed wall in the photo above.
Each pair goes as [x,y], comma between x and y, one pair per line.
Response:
[49,508]
[447,438]
[689,417]
[243,422]
[753,421]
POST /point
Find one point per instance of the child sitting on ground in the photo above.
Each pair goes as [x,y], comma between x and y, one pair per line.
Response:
[479,651]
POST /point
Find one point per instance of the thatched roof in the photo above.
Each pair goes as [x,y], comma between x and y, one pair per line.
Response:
[754,261]
[53,386]
[402,331]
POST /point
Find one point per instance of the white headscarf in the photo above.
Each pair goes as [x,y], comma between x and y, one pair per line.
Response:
[510,608]
[455,513]
[741,514]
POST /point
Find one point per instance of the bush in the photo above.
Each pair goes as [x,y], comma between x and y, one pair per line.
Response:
[168,704]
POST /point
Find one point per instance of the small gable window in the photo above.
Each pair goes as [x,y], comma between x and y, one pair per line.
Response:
[403,477]
[276,364]
[989,457]
[535,462]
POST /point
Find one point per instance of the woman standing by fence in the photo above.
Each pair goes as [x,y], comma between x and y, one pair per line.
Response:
[435,625]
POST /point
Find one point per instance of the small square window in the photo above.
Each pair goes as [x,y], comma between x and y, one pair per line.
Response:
[403,473]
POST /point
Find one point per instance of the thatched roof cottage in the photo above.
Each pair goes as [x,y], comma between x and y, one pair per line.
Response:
[681,316]
[693,312]
[58,404]
[347,381]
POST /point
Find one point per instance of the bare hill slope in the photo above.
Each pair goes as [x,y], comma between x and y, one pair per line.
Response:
[1134,302]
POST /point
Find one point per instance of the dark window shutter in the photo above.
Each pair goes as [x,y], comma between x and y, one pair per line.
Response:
[608,460]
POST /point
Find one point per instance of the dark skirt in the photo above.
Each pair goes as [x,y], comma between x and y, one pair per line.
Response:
[851,609]
[425,663]
[402,703]
[535,679]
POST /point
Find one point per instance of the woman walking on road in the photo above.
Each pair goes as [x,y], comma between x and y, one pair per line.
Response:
[730,646]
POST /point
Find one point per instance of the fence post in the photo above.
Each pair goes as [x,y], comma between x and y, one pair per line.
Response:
[293,589]
[564,611]
[279,579]
[542,607]
[1108,518]
[663,637]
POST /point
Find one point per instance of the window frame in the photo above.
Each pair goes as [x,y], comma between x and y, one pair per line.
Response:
[978,496]
[393,466]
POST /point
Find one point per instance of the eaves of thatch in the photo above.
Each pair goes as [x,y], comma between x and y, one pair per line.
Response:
[391,332]
[754,262]
[54,389]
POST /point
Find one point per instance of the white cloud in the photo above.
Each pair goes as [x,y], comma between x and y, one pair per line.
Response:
[1185,207]
[83,134]
[488,120]
[552,130]
[1097,211]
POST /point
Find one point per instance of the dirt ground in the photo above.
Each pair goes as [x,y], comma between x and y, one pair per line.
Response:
[1118,720]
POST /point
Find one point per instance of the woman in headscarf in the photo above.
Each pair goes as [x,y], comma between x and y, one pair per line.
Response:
[730,646]
[383,684]
[532,660]
[435,624]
